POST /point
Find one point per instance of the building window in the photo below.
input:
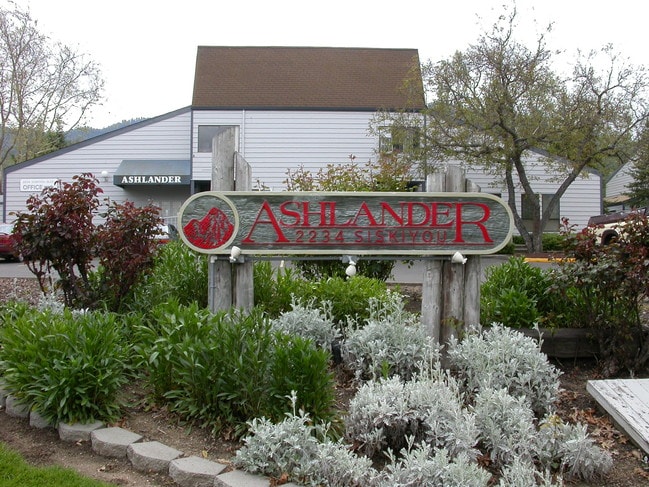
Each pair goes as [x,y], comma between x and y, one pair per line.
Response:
[527,211]
[205,135]
[398,139]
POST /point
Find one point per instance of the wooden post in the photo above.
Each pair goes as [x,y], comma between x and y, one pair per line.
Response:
[243,286]
[472,274]
[431,290]
[450,292]
[453,274]
[224,146]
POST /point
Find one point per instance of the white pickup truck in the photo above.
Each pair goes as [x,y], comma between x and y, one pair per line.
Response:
[609,225]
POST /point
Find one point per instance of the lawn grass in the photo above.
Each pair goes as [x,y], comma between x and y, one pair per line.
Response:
[15,472]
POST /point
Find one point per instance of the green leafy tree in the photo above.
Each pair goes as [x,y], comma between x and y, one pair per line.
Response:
[46,88]
[639,185]
[497,99]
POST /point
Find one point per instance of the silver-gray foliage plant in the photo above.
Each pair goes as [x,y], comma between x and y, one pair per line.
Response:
[308,321]
[392,342]
[436,421]
[570,446]
[499,357]
[301,449]
[423,465]
[384,414]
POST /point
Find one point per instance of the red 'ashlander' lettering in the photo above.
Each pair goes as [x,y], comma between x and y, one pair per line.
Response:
[451,218]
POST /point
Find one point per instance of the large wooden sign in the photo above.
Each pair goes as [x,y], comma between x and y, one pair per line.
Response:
[341,223]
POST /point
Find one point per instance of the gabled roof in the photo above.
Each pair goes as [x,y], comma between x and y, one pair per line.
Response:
[306,78]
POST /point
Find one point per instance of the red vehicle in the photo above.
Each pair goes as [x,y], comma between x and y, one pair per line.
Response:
[7,247]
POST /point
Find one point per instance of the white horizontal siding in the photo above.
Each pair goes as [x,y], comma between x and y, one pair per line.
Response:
[619,182]
[167,138]
[580,201]
[274,141]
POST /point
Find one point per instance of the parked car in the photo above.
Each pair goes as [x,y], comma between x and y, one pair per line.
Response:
[7,242]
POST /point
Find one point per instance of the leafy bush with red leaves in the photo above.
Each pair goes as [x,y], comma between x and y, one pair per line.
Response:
[58,238]
[609,285]
[126,248]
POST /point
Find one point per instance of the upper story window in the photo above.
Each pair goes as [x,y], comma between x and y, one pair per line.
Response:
[397,140]
[205,135]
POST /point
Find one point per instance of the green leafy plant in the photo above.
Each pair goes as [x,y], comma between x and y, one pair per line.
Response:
[517,295]
[69,367]
[178,273]
[350,298]
[276,287]
[223,369]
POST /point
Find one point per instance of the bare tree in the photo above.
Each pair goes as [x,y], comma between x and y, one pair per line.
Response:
[496,100]
[46,88]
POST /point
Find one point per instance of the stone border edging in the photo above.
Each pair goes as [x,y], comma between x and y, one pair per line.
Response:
[147,456]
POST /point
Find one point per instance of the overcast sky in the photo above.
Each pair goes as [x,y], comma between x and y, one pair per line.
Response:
[147,48]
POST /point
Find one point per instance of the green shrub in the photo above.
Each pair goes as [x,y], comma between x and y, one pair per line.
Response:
[315,270]
[350,298]
[178,273]
[516,294]
[553,242]
[276,287]
[225,369]
[69,367]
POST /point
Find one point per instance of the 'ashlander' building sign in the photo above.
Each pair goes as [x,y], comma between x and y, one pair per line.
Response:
[149,179]
[342,223]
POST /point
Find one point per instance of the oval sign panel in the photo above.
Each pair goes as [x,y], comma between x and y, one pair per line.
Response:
[314,223]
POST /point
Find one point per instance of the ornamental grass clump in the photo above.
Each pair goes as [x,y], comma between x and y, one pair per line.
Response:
[501,358]
[391,343]
[67,366]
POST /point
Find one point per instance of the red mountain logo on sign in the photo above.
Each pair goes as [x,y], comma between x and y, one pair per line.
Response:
[212,231]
